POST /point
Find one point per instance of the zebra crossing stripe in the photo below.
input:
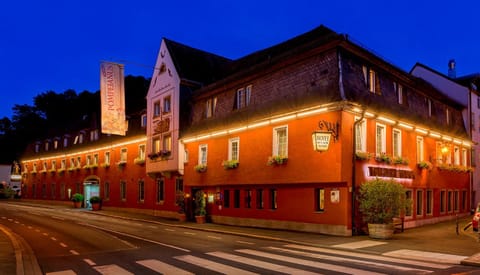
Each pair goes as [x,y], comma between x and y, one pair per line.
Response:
[262,264]
[217,267]
[370,257]
[112,270]
[162,267]
[362,262]
[309,263]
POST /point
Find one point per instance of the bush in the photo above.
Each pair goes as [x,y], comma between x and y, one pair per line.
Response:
[77,197]
[95,199]
[382,200]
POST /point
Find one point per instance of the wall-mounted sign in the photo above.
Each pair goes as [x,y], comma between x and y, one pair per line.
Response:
[321,141]
[162,126]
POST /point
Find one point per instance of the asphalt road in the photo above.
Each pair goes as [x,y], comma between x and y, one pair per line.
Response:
[70,241]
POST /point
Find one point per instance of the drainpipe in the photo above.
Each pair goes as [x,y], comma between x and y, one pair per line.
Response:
[354,229]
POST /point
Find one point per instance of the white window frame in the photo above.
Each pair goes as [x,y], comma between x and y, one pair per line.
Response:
[456,155]
[397,144]
[123,154]
[277,149]
[141,151]
[210,105]
[202,154]
[361,135]
[438,151]
[380,145]
[420,149]
[167,142]
[464,157]
[234,149]
[167,104]
[107,158]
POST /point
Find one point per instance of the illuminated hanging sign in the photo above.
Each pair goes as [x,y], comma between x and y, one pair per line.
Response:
[321,141]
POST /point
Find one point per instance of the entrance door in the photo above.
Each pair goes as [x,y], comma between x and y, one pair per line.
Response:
[91,188]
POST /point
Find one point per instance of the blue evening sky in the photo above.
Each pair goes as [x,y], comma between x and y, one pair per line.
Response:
[55,45]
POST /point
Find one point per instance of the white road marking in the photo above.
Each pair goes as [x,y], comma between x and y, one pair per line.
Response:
[63,245]
[244,242]
[190,233]
[74,252]
[64,272]
[136,237]
[89,262]
[217,267]
[361,262]
[214,237]
[360,244]
[262,264]
[426,256]
[53,238]
[163,268]
[112,270]
[309,263]
[370,257]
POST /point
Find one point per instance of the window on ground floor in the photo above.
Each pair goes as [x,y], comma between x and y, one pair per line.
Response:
[248,198]
[259,199]
[106,190]
[319,199]
[429,201]
[273,199]
[236,198]
[408,196]
[464,200]
[160,186]
[456,200]
[449,201]
[419,203]
[226,198]
[52,190]
[141,190]
[443,201]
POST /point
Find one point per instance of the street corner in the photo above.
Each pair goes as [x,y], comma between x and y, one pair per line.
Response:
[473,260]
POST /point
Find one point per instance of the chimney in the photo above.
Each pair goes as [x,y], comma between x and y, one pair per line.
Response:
[452,72]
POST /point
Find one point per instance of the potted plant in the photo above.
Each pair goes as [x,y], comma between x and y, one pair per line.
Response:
[200,205]
[77,199]
[180,201]
[277,160]
[96,202]
[381,201]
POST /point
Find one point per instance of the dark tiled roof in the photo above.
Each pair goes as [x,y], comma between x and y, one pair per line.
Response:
[197,65]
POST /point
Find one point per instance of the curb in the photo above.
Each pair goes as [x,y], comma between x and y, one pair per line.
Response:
[26,261]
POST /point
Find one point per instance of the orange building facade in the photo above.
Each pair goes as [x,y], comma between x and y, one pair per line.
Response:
[281,138]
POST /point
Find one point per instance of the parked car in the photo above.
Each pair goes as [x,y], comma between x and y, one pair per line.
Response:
[476,218]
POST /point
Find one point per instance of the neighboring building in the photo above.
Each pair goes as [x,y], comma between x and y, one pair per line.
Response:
[464,91]
[281,138]
[249,141]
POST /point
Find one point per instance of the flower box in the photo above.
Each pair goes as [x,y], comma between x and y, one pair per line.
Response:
[230,164]
[277,160]
[200,168]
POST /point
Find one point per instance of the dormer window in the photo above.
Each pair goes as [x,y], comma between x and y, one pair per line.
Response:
[371,80]
[47,145]
[37,147]
[242,97]
[94,135]
[210,106]
[143,122]
[55,144]
[65,142]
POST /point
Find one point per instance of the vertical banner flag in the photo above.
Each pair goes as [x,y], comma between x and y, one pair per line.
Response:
[112,93]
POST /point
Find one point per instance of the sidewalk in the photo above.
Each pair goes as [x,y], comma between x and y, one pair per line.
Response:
[439,242]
